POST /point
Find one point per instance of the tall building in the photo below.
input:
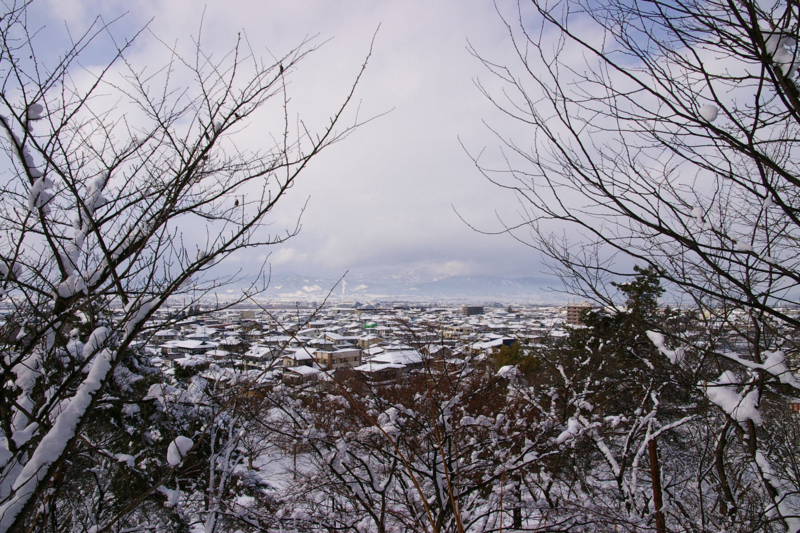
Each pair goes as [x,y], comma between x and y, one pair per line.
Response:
[575,313]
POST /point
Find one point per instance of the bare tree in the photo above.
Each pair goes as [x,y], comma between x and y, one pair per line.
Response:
[123,188]
[667,138]
[665,135]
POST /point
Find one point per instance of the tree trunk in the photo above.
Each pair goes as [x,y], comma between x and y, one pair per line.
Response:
[655,474]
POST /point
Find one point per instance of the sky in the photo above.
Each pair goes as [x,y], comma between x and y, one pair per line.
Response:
[385,199]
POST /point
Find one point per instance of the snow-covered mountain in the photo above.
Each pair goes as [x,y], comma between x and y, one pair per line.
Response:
[412,286]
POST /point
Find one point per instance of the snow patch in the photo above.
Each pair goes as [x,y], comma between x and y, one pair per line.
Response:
[173,496]
[573,429]
[72,286]
[96,341]
[53,444]
[34,111]
[784,52]
[709,112]
[138,310]
[508,372]
[39,197]
[178,449]
[129,460]
[740,407]
[675,357]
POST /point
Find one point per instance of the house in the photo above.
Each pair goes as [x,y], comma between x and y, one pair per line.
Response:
[369,353]
[368,341]
[439,351]
[407,359]
[335,359]
[458,331]
[299,357]
[300,374]
[377,372]
[234,344]
[449,364]
[280,340]
[201,333]
[191,347]
[222,357]
[339,339]
[492,344]
[258,357]
[165,335]
[321,344]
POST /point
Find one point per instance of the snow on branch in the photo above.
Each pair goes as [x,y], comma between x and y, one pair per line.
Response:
[54,443]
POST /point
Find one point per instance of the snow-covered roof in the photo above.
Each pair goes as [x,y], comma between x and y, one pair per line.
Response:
[191,344]
[303,370]
[377,367]
[259,351]
[204,331]
[190,361]
[300,355]
[487,344]
[402,357]
[435,348]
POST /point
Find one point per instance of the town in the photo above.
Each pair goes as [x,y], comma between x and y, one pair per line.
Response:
[381,343]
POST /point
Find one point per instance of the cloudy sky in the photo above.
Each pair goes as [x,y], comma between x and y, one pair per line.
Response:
[383,199]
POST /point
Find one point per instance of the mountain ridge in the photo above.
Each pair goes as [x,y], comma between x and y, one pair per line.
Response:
[411,286]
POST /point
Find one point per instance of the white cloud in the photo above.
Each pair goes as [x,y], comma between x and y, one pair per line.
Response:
[288,256]
[383,197]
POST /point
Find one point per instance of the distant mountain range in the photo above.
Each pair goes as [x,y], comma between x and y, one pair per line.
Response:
[412,287]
